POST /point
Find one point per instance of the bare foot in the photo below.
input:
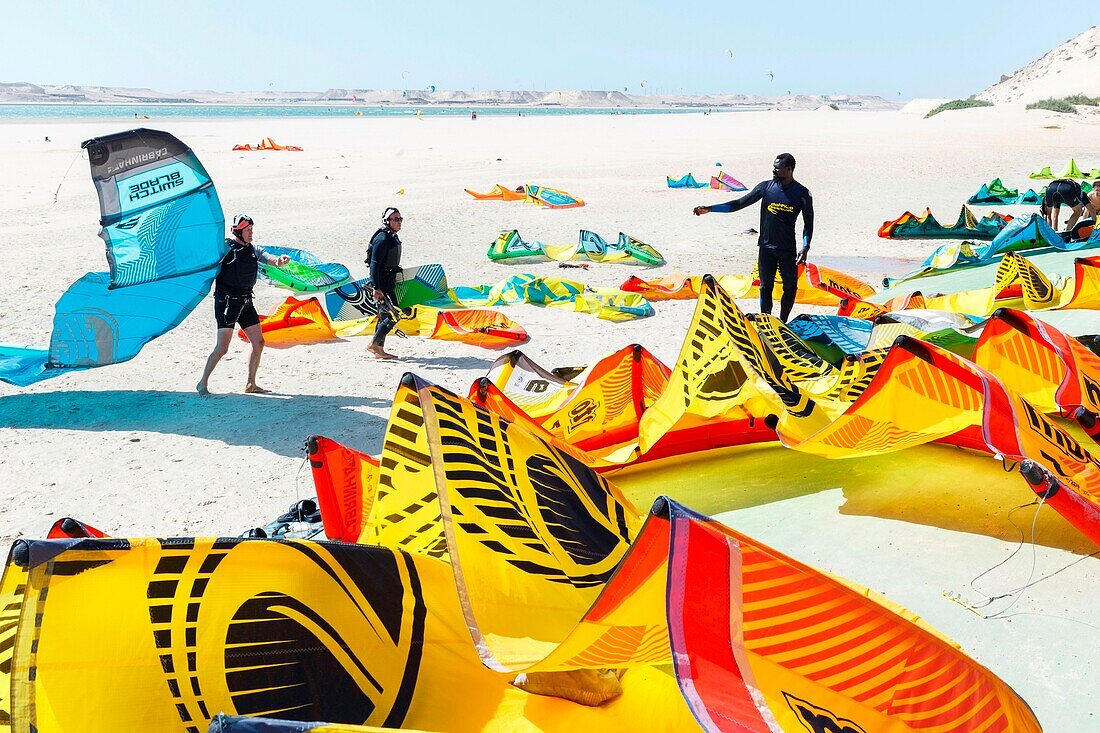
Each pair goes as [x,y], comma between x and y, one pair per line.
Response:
[256,389]
[202,390]
[379,353]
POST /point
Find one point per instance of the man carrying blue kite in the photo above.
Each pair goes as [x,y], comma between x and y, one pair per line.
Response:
[233,301]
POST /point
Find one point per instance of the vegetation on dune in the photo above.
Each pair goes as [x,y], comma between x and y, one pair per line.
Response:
[1082,99]
[959,104]
[1054,105]
[1066,104]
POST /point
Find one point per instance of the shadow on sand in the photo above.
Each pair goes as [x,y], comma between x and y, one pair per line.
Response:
[278,423]
[455,362]
[933,485]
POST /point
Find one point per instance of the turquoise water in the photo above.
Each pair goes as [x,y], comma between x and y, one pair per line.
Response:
[101,111]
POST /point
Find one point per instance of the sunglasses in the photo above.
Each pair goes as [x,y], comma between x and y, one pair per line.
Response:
[396,218]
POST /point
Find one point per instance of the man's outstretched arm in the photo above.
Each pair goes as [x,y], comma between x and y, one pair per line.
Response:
[807,226]
[737,204]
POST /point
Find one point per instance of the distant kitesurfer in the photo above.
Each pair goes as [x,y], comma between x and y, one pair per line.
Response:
[233,301]
[782,200]
[384,259]
[1067,192]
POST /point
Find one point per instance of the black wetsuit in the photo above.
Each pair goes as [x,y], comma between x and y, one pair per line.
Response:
[779,209]
[385,263]
[1064,192]
[233,287]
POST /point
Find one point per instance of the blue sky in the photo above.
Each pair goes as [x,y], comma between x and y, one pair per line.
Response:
[933,48]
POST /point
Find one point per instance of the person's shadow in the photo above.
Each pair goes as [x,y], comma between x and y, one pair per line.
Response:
[278,423]
[454,362]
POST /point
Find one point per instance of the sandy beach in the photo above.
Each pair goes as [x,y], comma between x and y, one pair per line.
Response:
[132,450]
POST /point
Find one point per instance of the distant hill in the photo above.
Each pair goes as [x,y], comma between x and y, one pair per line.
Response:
[1072,68]
[24,93]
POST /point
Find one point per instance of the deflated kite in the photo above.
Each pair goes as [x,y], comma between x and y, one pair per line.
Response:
[1017,283]
[817,285]
[995,193]
[1071,171]
[1026,234]
[551,198]
[510,246]
[297,322]
[685,181]
[606,303]
[545,569]
[513,520]
[725,182]
[925,226]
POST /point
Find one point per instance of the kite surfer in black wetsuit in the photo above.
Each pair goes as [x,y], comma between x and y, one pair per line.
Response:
[384,259]
[233,301]
[782,200]
[1067,192]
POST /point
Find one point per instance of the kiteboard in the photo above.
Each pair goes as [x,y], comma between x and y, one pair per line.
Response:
[415,285]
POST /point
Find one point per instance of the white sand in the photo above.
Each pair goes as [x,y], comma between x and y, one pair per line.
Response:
[131,449]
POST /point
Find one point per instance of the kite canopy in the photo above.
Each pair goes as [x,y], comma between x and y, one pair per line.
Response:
[1016,283]
[995,193]
[160,214]
[1029,234]
[1071,171]
[554,292]
[486,328]
[305,272]
[685,181]
[725,182]
[499,192]
[832,337]
[737,373]
[599,409]
[641,604]
[925,226]
[164,231]
[479,547]
[296,322]
[546,565]
[551,198]
[817,285]
[510,246]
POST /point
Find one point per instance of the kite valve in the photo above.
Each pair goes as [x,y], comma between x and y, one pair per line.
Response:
[1087,420]
[1040,480]
[21,553]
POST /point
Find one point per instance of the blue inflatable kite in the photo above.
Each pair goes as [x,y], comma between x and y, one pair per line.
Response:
[163,228]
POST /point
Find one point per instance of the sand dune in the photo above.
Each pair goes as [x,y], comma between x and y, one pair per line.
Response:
[1071,68]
